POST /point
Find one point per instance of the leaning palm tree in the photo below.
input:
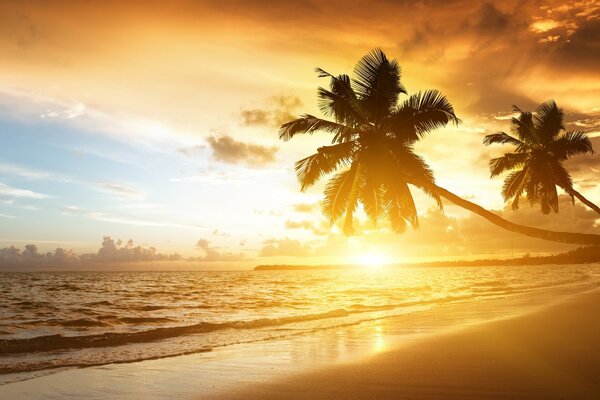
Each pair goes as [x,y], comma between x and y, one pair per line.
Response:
[536,164]
[373,137]
[372,151]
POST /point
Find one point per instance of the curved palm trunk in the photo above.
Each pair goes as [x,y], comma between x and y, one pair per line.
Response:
[562,237]
[586,201]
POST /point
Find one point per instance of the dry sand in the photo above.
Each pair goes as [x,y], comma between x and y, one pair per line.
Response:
[549,354]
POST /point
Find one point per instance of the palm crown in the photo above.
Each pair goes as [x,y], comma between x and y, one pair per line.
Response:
[541,145]
[372,142]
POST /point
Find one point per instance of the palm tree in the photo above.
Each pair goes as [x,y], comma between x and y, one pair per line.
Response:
[373,137]
[536,164]
[372,144]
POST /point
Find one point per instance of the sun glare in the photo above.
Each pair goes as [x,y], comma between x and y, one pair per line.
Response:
[373,260]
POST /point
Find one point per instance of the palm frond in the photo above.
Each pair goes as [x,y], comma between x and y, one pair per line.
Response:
[310,124]
[504,138]
[399,206]
[338,191]
[507,162]
[562,178]
[548,196]
[548,119]
[326,160]
[413,169]
[420,114]
[340,100]
[353,197]
[514,184]
[377,162]
[523,127]
[570,144]
[321,73]
[377,84]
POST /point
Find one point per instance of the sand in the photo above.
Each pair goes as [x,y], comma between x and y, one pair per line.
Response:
[499,349]
[553,353]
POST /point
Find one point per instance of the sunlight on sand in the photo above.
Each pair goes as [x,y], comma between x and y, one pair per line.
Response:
[379,339]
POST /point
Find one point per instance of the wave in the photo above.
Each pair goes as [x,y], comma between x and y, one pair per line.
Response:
[149,308]
[83,322]
[144,320]
[110,339]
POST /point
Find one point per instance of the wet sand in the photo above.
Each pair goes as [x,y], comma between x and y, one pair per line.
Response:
[552,353]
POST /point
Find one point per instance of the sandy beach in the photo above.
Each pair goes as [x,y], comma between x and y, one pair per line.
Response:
[494,349]
[548,354]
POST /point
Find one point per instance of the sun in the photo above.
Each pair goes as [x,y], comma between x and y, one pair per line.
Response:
[373,261]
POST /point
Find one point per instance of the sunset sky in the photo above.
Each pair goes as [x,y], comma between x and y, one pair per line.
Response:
[158,121]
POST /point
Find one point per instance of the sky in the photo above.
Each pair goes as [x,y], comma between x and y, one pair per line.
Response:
[157,122]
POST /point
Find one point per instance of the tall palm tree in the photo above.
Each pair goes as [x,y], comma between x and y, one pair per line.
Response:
[536,164]
[373,138]
[372,144]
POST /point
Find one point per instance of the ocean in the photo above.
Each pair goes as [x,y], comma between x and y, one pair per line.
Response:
[57,320]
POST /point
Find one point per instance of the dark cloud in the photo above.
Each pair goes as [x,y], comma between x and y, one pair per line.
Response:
[285,247]
[492,20]
[227,149]
[213,253]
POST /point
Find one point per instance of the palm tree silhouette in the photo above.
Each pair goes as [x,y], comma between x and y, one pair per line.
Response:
[536,164]
[373,137]
[372,143]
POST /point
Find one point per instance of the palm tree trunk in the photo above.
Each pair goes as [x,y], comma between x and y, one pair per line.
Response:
[562,237]
[586,201]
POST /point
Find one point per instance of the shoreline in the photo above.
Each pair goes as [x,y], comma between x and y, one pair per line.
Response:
[235,371]
[550,353]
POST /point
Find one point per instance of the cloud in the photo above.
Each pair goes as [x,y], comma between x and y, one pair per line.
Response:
[442,235]
[213,254]
[117,219]
[120,190]
[305,207]
[256,117]
[118,251]
[317,228]
[10,191]
[110,252]
[7,216]
[229,150]
[289,224]
[16,170]
[191,151]
[277,111]
[285,247]
[69,112]
[230,176]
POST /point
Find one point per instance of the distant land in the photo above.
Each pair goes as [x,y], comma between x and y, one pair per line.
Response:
[581,255]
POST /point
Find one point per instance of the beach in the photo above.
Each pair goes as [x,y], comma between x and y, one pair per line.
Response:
[538,344]
[548,354]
